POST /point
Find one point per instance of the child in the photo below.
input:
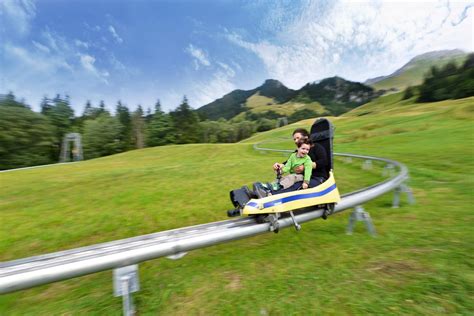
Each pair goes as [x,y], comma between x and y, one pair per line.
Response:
[298,158]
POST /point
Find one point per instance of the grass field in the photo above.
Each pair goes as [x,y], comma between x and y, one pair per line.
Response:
[420,263]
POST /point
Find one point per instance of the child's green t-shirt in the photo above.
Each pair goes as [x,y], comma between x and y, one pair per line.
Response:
[295,161]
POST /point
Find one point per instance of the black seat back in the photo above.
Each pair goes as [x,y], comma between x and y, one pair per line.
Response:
[322,132]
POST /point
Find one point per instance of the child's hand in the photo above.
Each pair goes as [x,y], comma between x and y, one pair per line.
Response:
[305,185]
[277,166]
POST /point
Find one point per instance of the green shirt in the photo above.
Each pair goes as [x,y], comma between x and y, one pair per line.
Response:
[295,161]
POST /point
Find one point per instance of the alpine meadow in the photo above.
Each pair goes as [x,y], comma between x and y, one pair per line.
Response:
[307,157]
[421,259]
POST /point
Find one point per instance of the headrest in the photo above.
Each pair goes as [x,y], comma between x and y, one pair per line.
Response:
[319,136]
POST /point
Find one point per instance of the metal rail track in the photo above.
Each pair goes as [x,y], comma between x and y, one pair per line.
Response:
[33,271]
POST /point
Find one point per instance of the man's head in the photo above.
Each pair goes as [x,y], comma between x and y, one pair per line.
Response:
[300,133]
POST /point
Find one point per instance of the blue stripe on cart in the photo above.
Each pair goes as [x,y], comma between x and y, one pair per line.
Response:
[296,197]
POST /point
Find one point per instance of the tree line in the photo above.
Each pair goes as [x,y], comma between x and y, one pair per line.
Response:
[30,138]
[447,82]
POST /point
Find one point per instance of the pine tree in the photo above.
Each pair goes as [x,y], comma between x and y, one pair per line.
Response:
[91,112]
[61,116]
[148,115]
[159,131]
[158,107]
[186,123]
[88,108]
[102,109]
[123,115]
[45,105]
[138,127]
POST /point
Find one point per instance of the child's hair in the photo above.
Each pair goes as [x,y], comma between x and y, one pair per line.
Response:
[303,141]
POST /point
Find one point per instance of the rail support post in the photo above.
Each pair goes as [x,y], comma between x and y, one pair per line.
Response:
[403,188]
[125,283]
[177,256]
[359,214]
[367,165]
[388,170]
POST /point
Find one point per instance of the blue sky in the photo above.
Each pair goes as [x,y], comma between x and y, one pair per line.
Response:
[140,51]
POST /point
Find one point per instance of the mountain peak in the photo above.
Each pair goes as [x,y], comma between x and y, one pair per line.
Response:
[275,89]
[272,83]
[333,79]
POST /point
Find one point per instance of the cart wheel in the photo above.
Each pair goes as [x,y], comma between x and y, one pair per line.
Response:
[260,218]
[328,210]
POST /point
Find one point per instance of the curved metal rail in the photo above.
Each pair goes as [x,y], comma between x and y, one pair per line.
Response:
[29,272]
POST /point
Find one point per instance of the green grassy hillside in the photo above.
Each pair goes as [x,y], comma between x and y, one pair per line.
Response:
[413,73]
[260,104]
[420,263]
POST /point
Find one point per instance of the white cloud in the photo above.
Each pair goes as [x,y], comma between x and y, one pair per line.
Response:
[229,71]
[41,47]
[88,62]
[53,40]
[236,66]
[28,61]
[463,15]
[116,63]
[19,53]
[95,28]
[218,84]
[115,35]
[355,40]
[82,44]
[200,57]
[210,90]
[17,15]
